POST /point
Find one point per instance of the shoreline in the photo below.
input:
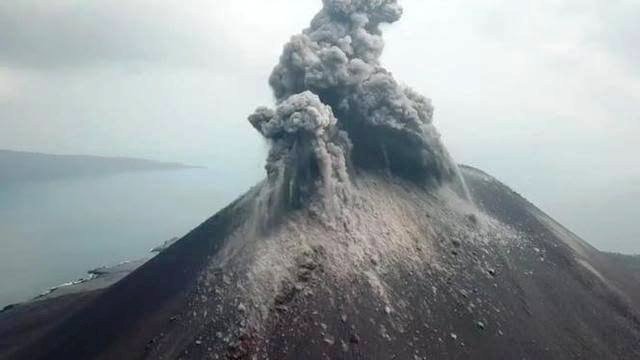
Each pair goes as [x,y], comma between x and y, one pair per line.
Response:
[97,279]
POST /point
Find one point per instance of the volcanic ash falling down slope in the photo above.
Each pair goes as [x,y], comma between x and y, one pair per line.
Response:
[362,242]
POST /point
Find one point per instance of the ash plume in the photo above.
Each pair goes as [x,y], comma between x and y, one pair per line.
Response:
[308,152]
[337,106]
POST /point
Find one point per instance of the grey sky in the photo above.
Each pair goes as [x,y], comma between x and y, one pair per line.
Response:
[544,95]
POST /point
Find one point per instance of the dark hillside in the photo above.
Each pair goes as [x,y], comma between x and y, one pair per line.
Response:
[503,281]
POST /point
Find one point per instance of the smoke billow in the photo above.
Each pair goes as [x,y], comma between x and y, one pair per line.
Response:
[336,106]
[308,152]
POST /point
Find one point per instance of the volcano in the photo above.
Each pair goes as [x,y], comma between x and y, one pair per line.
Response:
[365,241]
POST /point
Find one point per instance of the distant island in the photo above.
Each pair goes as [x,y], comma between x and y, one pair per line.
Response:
[18,166]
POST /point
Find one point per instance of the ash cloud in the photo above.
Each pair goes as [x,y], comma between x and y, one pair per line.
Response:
[308,152]
[337,105]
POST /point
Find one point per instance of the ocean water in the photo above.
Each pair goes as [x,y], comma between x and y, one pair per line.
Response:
[53,232]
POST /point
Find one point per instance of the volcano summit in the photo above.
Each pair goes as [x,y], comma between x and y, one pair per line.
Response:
[365,241]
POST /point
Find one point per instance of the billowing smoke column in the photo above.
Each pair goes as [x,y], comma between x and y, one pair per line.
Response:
[308,152]
[336,106]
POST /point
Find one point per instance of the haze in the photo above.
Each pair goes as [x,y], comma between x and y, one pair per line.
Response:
[545,95]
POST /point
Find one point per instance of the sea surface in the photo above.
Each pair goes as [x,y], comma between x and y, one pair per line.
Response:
[53,232]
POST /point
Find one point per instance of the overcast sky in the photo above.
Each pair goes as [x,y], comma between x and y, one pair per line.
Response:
[545,95]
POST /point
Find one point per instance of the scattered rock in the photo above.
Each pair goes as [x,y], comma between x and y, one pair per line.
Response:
[329,340]
[286,295]
[305,275]
[226,279]
[344,345]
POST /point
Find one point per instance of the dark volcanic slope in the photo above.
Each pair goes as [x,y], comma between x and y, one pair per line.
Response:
[16,166]
[405,273]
